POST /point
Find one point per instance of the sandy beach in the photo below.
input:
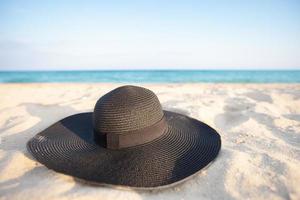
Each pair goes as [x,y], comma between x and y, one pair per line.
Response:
[259,125]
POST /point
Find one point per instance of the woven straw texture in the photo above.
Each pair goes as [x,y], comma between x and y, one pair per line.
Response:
[125,109]
[185,146]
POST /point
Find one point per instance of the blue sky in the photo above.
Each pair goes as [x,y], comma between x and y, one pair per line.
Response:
[232,34]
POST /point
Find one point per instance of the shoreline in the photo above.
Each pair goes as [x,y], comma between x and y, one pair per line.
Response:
[152,84]
[155,76]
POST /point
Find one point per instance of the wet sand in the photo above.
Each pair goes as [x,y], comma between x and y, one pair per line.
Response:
[259,125]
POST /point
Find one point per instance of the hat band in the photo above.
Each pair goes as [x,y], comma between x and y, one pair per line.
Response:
[131,138]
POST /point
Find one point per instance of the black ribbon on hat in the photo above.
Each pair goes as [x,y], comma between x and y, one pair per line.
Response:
[131,138]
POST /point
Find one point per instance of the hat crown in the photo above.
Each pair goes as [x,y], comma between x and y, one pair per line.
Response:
[125,109]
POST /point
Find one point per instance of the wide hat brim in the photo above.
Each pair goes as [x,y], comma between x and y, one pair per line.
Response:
[186,147]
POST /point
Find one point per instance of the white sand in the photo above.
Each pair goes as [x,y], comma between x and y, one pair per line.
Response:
[259,125]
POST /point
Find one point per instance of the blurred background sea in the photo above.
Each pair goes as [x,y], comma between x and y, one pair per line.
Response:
[154,76]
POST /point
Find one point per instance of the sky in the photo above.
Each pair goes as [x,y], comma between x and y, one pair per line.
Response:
[155,34]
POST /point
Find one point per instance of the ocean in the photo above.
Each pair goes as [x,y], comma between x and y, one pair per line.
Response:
[153,76]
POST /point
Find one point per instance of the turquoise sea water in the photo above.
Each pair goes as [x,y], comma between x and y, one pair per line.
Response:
[153,76]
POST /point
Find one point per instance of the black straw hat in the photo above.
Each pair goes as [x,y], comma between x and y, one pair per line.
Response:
[127,141]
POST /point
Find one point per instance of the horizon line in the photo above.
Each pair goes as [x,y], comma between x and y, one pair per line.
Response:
[94,70]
